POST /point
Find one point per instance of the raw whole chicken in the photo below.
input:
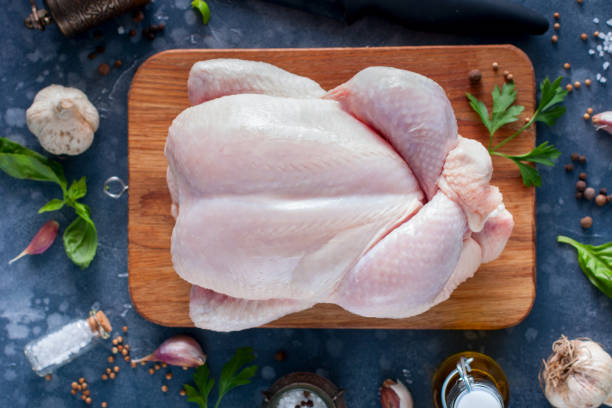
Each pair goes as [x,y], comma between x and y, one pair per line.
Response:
[286,195]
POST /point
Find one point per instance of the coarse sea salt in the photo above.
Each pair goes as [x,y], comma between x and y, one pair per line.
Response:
[596,20]
[591,52]
[609,22]
[606,65]
[294,397]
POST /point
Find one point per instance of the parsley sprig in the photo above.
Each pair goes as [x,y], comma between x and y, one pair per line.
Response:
[504,112]
[229,379]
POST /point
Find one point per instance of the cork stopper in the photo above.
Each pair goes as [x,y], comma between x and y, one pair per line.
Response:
[99,323]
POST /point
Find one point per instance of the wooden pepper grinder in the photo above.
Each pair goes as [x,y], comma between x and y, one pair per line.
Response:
[75,16]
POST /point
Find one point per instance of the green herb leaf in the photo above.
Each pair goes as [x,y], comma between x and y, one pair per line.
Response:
[544,153]
[78,189]
[503,112]
[53,205]
[551,115]
[20,162]
[480,108]
[595,262]
[81,238]
[204,382]
[229,379]
[551,94]
[203,9]
[530,175]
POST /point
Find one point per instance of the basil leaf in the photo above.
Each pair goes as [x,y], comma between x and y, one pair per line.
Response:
[22,163]
[78,189]
[595,262]
[81,240]
[53,205]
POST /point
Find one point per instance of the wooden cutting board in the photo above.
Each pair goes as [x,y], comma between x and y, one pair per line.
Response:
[501,293]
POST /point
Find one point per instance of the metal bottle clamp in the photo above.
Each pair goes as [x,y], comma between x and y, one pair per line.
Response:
[463,368]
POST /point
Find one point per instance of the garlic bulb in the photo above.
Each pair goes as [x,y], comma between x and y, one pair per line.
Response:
[63,120]
[578,374]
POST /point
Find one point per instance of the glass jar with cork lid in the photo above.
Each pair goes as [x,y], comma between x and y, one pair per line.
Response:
[58,348]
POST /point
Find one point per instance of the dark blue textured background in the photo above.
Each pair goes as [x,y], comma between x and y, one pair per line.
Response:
[41,293]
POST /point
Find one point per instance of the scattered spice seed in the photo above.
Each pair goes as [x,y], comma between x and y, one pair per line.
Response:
[91,55]
[596,34]
[506,73]
[48,377]
[118,63]
[120,339]
[577,84]
[583,176]
[73,392]
[84,386]
[151,371]
[589,111]
[74,385]
[108,370]
[81,380]
[143,363]
[579,1]
[182,393]
[164,388]
[83,397]
[579,195]
[116,369]
[120,347]
[589,193]
[554,38]
[580,185]
[556,15]
[601,200]
[510,78]
[569,87]
[280,355]
[124,352]
[115,342]
[87,393]
[567,65]
[127,347]
[112,376]
[104,404]
[587,82]
[168,376]
[582,159]
[575,156]
[111,359]
[103,69]
[495,66]
[475,76]
[88,400]
[584,36]
[568,167]
[156,367]
[126,359]
[586,222]
[137,16]
[603,191]
[586,116]
[115,350]
[125,329]
[164,365]
[104,377]
[133,364]
[185,368]
[557,26]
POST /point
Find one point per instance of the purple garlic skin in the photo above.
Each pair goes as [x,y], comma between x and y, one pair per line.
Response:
[181,350]
[603,121]
[43,239]
[394,394]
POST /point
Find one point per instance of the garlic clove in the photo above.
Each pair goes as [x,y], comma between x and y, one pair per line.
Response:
[181,350]
[43,239]
[603,121]
[63,120]
[395,395]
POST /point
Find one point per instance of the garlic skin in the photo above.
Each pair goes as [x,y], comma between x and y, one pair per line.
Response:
[394,394]
[181,350]
[603,121]
[63,120]
[577,375]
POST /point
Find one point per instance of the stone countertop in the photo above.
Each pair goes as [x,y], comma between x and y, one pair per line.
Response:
[41,293]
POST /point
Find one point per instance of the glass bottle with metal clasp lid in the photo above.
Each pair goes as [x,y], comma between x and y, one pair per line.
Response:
[470,380]
[57,348]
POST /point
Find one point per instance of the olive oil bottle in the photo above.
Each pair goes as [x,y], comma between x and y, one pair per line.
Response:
[470,380]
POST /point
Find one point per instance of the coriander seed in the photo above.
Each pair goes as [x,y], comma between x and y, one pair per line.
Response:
[584,36]
[577,84]
[590,111]
[583,176]
[596,34]
[601,200]
[554,38]
[567,65]
[164,388]
[557,26]
[569,87]
[586,116]
[587,82]
[495,66]
[556,15]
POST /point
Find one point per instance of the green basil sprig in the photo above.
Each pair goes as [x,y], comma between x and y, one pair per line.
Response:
[81,237]
[595,262]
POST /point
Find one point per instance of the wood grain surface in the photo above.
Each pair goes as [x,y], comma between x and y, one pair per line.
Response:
[499,295]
